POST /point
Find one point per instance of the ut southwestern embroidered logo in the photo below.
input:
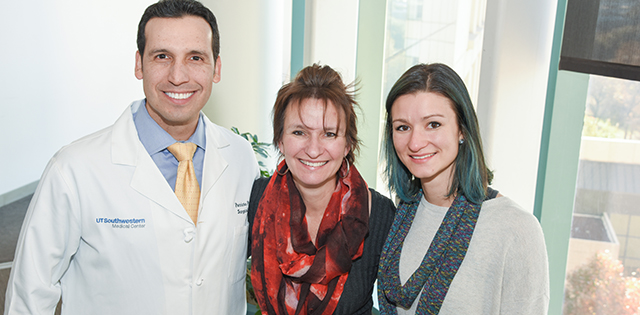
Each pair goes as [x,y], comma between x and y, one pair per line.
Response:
[118,223]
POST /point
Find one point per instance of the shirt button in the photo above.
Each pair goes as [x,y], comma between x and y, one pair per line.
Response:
[189,233]
[199,283]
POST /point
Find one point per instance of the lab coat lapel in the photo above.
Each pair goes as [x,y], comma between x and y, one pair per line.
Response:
[214,162]
[147,179]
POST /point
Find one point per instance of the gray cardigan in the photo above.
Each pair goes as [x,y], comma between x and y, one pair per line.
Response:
[505,270]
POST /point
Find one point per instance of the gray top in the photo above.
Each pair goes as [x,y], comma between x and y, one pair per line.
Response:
[505,270]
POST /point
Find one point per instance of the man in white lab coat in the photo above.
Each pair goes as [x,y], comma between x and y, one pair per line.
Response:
[105,231]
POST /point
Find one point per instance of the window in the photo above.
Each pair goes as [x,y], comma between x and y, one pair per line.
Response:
[604,249]
[422,31]
[602,37]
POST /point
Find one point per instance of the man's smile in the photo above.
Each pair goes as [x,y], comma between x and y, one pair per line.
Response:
[179,96]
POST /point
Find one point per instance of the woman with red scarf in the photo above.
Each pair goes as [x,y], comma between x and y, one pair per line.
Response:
[317,229]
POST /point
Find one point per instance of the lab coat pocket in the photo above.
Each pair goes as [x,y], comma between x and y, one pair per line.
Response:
[237,270]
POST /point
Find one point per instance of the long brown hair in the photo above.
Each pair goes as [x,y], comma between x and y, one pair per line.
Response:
[325,84]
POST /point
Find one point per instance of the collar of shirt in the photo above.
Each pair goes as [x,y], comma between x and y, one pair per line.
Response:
[156,140]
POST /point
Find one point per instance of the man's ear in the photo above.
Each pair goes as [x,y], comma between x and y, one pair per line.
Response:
[217,68]
[138,70]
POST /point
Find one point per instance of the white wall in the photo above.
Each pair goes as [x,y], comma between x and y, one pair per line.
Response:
[255,52]
[67,70]
[255,43]
[512,92]
[332,35]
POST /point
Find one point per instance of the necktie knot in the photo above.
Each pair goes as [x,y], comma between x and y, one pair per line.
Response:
[183,151]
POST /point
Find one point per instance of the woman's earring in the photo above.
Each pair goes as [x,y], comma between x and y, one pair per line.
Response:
[348,167]
[280,159]
[461,141]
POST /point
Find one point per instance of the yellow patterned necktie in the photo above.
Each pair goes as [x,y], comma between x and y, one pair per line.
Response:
[187,188]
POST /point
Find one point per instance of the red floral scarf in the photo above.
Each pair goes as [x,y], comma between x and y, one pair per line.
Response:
[291,275]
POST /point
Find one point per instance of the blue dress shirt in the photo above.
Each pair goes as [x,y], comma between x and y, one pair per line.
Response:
[156,140]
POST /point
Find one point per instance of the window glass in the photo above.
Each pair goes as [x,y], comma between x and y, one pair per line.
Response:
[602,37]
[604,248]
[428,31]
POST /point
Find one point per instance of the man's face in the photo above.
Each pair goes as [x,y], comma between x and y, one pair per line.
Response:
[177,71]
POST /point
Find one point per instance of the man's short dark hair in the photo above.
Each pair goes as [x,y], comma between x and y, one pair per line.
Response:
[177,9]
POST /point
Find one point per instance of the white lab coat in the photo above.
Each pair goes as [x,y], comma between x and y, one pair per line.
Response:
[105,230]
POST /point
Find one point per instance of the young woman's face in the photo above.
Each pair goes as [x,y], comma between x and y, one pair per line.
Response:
[313,144]
[426,135]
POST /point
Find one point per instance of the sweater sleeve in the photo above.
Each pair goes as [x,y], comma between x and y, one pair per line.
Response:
[525,287]
[259,185]
[357,294]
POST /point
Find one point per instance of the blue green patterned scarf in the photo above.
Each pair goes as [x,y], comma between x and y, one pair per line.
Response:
[440,264]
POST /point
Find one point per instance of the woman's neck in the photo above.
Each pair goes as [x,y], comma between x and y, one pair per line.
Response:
[436,190]
[315,200]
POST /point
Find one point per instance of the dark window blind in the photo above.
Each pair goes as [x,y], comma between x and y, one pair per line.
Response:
[602,37]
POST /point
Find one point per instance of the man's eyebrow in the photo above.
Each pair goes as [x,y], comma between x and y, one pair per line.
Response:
[197,52]
[160,50]
[163,50]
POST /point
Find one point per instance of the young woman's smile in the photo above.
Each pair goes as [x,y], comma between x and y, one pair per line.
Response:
[426,135]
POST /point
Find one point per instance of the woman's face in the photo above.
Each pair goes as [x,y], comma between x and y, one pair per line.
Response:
[426,135]
[312,144]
